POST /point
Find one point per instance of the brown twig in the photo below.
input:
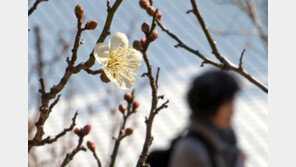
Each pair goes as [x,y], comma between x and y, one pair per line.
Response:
[34,7]
[97,158]
[154,87]
[219,56]
[240,66]
[49,140]
[71,155]
[121,133]
[71,69]
[252,11]
[250,8]
[47,96]
[93,72]
[224,64]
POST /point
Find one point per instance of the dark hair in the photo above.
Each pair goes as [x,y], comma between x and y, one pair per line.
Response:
[209,90]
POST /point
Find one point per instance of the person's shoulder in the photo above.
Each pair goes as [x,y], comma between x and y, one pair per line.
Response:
[189,151]
[191,145]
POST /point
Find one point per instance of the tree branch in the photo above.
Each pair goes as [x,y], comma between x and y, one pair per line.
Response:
[71,155]
[48,140]
[71,69]
[34,7]
[154,87]
[121,133]
[224,64]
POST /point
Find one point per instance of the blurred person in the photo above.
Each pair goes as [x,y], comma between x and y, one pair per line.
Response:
[210,140]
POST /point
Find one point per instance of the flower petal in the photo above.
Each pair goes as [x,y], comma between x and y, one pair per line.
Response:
[123,82]
[118,39]
[101,53]
[135,59]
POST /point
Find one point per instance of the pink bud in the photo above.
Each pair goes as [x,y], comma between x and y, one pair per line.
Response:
[144,4]
[122,108]
[158,15]
[91,145]
[136,104]
[137,45]
[143,41]
[79,12]
[128,97]
[91,25]
[154,35]
[151,10]
[86,129]
[77,131]
[129,131]
[145,28]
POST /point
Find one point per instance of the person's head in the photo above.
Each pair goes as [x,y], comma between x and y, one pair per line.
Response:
[211,97]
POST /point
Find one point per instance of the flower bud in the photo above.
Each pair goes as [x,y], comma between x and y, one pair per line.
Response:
[143,41]
[128,97]
[79,12]
[85,130]
[158,15]
[144,4]
[151,10]
[91,145]
[91,25]
[104,78]
[136,104]
[122,108]
[77,131]
[145,27]
[154,35]
[129,131]
[137,45]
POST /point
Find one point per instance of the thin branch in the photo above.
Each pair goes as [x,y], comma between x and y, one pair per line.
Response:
[108,5]
[220,57]
[71,155]
[71,69]
[252,11]
[93,72]
[47,96]
[240,66]
[154,87]
[224,64]
[54,103]
[164,105]
[157,76]
[97,158]
[121,134]
[34,7]
[48,140]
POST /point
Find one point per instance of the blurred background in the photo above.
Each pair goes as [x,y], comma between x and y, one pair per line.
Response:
[51,37]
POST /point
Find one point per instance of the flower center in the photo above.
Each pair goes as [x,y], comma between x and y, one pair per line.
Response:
[123,62]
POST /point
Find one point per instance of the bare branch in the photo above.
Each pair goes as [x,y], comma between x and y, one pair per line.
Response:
[121,134]
[97,158]
[48,140]
[154,87]
[252,11]
[224,64]
[241,60]
[71,69]
[157,76]
[164,105]
[71,155]
[93,72]
[34,7]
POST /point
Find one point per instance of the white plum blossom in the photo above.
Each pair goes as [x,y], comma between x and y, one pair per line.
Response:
[119,61]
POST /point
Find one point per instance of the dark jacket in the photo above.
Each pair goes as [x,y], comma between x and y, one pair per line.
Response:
[191,152]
